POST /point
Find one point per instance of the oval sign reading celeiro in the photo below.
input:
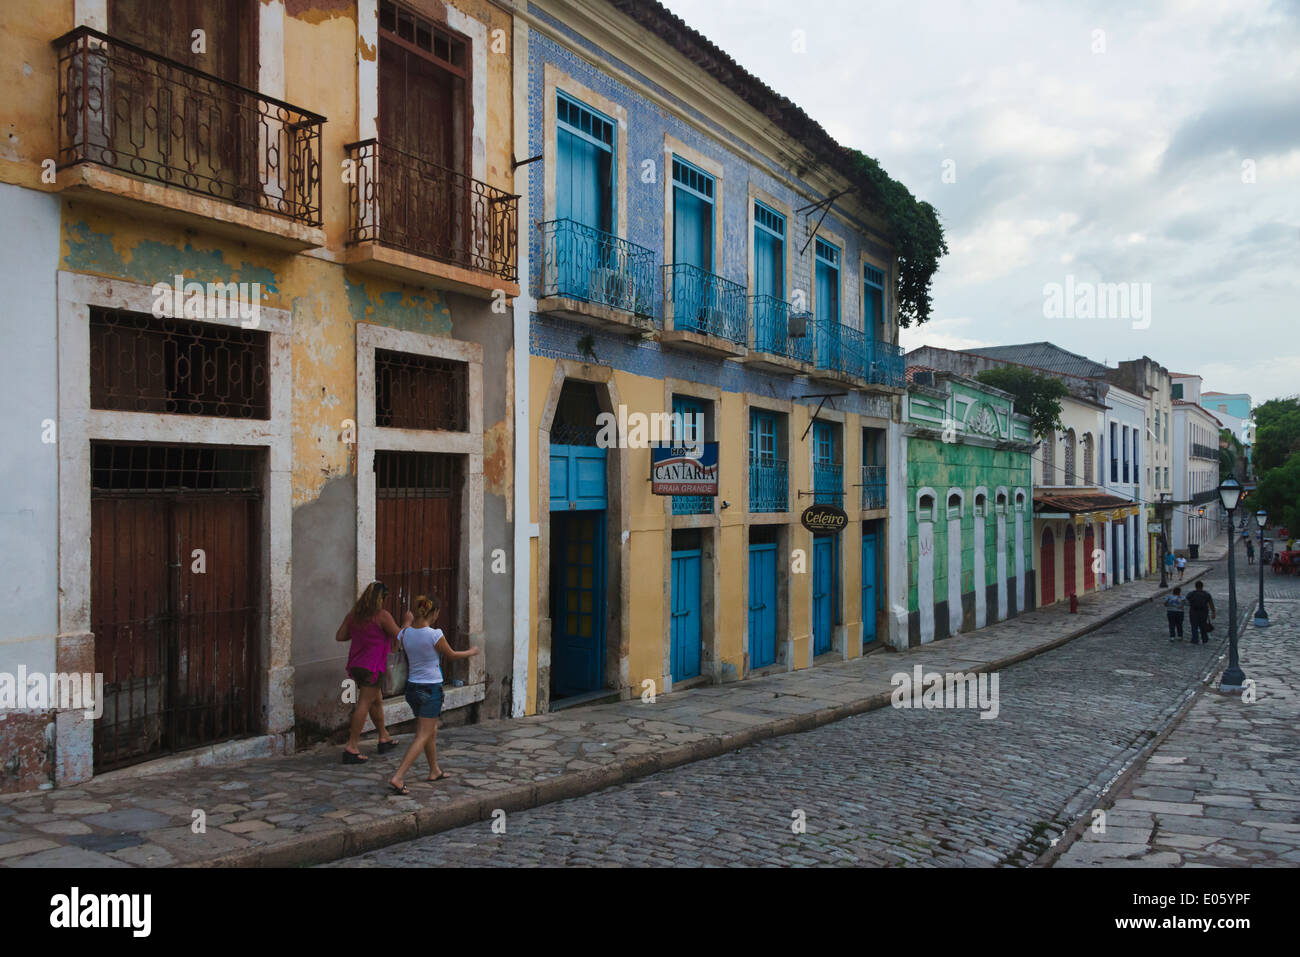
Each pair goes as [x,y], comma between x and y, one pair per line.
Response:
[824,519]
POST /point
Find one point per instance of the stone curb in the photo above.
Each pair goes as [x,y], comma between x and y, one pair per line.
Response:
[343,841]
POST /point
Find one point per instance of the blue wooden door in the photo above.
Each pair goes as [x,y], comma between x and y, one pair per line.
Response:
[577,478]
[762,605]
[824,581]
[685,632]
[577,602]
[869,599]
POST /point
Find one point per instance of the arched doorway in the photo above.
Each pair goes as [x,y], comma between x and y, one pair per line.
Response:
[1071,546]
[1047,568]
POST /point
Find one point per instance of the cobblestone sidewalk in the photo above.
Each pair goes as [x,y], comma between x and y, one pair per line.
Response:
[1223,789]
[309,808]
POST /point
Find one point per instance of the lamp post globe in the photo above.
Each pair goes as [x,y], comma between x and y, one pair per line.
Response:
[1234,679]
[1261,616]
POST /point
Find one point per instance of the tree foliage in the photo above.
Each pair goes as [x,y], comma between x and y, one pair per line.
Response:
[1037,396]
[917,234]
[1279,495]
[1277,433]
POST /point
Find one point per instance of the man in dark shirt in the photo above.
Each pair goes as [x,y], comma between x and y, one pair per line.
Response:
[1200,608]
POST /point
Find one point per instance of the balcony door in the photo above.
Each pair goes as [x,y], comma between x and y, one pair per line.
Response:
[167,124]
[426,205]
[584,260]
[694,298]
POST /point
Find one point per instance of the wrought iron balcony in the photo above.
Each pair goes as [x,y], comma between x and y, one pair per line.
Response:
[771,318]
[887,365]
[828,484]
[586,264]
[769,485]
[706,304]
[873,486]
[692,505]
[127,109]
[401,200]
[1200,451]
[840,348]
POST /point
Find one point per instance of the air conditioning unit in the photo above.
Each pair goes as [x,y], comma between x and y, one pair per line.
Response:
[609,286]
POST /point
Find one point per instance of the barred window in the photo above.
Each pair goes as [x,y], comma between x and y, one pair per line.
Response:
[420,392]
[173,366]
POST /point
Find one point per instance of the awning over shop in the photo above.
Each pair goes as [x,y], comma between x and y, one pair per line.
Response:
[1082,507]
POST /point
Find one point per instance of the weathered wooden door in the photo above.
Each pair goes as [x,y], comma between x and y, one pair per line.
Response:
[417,544]
[824,592]
[175,603]
[1047,568]
[762,605]
[686,632]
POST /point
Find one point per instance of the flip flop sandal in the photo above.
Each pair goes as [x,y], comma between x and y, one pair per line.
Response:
[438,778]
[386,746]
[403,790]
[350,757]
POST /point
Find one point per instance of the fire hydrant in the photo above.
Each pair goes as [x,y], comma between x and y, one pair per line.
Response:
[1074,604]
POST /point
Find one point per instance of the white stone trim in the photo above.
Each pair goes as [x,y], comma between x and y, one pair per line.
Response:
[372,439]
[79,425]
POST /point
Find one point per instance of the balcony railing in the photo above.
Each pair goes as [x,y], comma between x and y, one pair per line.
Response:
[771,318]
[768,486]
[887,365]
[828,484]
[705,303]
[692,505]
[127,109]
[401,200]
[1204,452]
[840,348]
[579,262]
[873,486]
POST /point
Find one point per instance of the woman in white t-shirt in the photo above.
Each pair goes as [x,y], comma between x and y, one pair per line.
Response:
[424,644]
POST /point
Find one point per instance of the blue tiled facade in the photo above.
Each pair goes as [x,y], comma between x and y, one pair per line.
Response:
[647,125]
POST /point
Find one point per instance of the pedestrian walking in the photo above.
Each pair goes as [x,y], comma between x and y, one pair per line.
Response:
[1182,567]
[1250,552]
[1174,604]
[1200,607]
[423,644]
[373,632]
[1169,564]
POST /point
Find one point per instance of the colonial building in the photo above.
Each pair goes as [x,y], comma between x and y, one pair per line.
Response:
[698,252]
[970,500]
[1147,378]
[266,254]
[1196,459]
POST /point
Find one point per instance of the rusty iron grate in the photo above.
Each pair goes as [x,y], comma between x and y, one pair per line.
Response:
[420,392]
[173,366]
[136,467]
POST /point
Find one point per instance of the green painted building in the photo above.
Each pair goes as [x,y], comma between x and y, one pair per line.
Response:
[970,500]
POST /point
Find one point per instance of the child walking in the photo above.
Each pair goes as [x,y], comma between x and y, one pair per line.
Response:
[371,630]
[423,644]
[1174,604]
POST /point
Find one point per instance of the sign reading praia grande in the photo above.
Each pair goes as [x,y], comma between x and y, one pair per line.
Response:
[824,519]
[684,469]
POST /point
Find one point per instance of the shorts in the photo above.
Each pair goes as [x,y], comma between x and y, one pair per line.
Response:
[364,678]
[425,700]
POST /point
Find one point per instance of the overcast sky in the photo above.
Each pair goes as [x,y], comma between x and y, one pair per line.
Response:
[1124,165]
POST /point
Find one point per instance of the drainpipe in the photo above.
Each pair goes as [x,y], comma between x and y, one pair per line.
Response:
[524,530]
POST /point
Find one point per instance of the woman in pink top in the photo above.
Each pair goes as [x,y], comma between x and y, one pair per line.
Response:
[373,633]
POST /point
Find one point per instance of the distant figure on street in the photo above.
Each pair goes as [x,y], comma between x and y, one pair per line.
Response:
[424,643]
[1201,607]
[1182,567]
[372,632]
[1174,603]
[1250,552]
[1169,564]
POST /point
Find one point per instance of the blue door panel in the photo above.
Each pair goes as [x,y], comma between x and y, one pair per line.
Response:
[577,603]
[685,631]
[762,605]
[824,583]
[577,478]
[869,599]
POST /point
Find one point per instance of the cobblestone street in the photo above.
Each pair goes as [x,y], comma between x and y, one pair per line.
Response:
[1223,789]
[889,787]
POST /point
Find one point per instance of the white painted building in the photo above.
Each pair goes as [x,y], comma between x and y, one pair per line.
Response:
[1196,466]
[1124,448]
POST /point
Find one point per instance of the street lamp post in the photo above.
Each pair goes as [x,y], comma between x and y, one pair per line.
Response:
[1234,679]
[1261,616]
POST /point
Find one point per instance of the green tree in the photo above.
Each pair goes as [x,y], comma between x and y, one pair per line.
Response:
[1231,459]
[1279,495]
[1037,396]
[1277,433]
